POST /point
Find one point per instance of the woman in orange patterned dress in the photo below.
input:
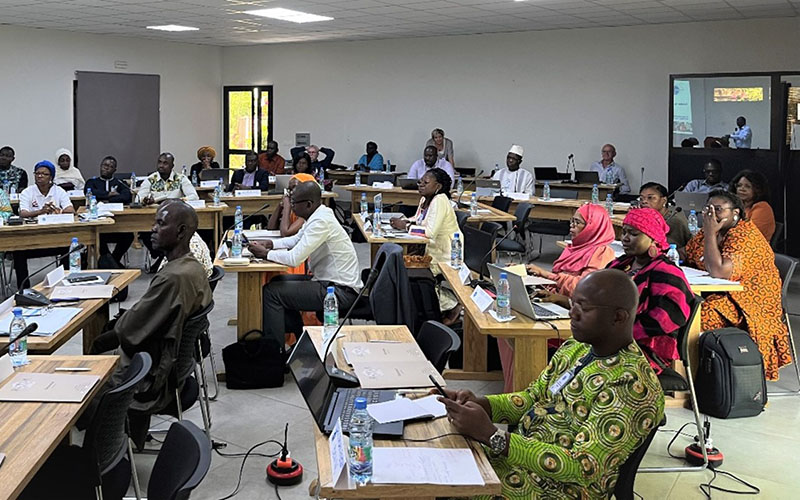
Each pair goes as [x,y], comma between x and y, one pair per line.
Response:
[731,247]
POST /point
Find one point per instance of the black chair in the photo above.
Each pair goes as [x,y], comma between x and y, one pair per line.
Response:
[552,227]
[786,266]
[623,490]
[510,245]
[461,217]
[501,203]
[182,463]
[672,382]
[380,178]
[437,342]
[97,466]
[216,274]
[206,351]
[777,236]
[477,244]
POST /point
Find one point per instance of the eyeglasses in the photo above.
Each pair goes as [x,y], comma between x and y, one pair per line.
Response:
[585,308]
[719,208]
[295,202]
[576,222]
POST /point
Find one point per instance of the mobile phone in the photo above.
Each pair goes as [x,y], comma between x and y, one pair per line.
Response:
[438,387]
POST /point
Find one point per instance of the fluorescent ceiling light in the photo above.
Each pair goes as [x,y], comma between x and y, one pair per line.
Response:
[289,15]
[173,27]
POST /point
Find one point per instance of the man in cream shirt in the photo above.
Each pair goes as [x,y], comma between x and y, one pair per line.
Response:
[514,179]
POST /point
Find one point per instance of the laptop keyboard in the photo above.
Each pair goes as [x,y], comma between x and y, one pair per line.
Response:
[373,396]
[541,312]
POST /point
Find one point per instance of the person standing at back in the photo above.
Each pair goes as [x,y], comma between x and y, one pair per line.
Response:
[743,135]
[443,145]
[609,171]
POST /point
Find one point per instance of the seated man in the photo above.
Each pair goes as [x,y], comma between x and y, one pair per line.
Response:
[155,323]
[16,178]
[332,261]
[514,179]
[594,404]
[270,161]
[609,171]
[109,189]
[250,177]
[712,173]
[431,160]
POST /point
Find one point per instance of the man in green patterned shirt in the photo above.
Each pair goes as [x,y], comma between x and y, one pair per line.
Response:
[592,406]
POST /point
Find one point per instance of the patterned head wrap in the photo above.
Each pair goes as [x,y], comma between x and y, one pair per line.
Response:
[651,223]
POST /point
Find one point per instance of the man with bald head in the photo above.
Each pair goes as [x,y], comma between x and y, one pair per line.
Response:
[332,261]
[609,171]
[594,404]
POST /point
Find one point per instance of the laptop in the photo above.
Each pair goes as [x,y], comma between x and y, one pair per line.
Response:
[691,201]
[521,301]
[211,174]
[587,177]
[408,184]
[282,182]
[328,403]
[549,174]
[487,187]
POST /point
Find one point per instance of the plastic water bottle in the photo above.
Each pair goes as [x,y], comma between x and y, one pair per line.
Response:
[331,314]
[6,186]
[88,197]
[456,251]
[13,192]
[693,226]
[673,255]
[133,180]
[609,205]
[74,257]
[183,171]
[322,179]
[473,205]
[194,179]
[496,168]
[237,218]
[93,207]
[503,301]
[546,191]
[364,206]
[595,195]
[217,190]
[18,350]
[236,247]
[609,177]
[459,186]
[360,443]
[358,178]
[388,165]
[377,230]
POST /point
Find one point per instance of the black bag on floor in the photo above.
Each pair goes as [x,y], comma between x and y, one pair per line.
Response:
[254,362]
[730,378]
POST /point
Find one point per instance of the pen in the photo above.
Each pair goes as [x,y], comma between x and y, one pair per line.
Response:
[72,369]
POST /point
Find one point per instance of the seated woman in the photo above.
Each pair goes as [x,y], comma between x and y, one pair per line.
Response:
[283,218]
[753,189]
[731,247]
[654,195]
[664,293]
[302,165]
[591,232]
[435,213]
[68,177]
[206,155]
[372,160]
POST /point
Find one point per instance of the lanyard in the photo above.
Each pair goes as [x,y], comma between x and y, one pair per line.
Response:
[570,374]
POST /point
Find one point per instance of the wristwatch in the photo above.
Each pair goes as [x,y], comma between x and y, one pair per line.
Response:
[498,442]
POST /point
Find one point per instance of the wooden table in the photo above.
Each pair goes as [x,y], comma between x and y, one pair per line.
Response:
[530,339]
[29,432]
[562,210]
[375,242]
[35,236]
[343,177]
[391,195]
[266,203]
[93,317]
[77,202]
[416,430]
[584,190]
[494,215]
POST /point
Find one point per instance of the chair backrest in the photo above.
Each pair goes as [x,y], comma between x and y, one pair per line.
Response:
[776,236]
[380,178]
[461,218]
[217,274]
[477,244]
[501,203]
[106,436]
[182,463]
[683,332]
[569,194]
[521,214]
[786,266]
[623,490]
[491,227]
[187,354]
[437,342]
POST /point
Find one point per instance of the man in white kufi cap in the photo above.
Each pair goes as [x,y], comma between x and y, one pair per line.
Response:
[514,179]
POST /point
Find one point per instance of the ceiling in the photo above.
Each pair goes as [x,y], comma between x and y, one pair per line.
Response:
[224,23]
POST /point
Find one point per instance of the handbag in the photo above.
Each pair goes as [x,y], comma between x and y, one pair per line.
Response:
[254,362]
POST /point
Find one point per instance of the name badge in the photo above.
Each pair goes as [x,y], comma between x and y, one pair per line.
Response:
[562,381]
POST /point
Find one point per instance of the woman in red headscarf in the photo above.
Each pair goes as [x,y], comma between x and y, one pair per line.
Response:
[591,232]
[664,293]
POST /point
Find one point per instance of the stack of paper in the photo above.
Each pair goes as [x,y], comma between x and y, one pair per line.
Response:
[407,409]
[49,319]
[448,466]
[390,365]
[48,387]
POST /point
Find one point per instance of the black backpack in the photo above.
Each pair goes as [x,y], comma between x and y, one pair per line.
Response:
[730,378]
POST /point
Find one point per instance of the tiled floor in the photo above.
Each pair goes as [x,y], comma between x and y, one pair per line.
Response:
[761,450]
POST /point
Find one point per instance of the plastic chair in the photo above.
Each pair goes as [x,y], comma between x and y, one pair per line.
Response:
[206,351]
[437,342]
[501,203]
[512,245]
[786,266]
[552,227]
[623,490]
[477,244]
[672,381]
[461,218]
[776,236]
[182,463]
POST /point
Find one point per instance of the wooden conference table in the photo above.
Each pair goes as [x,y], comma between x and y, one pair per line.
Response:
[40,236]
[30,431]
[349,176]
[556,209]
[93,317]
[375,242]
[416,430]
[252,204]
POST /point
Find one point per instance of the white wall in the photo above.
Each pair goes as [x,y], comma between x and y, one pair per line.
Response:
[36,90]
[555,92]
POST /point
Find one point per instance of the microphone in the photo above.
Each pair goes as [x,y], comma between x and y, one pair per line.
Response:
[570,161]
[641,179]
[29,296]
[225,232]
[339,377]
[472,182]
[486,256]
[24,333]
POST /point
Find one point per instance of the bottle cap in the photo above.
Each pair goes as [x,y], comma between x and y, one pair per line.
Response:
[455,236]
[74,239]
[692,212]
[237,231]
[504,275]
[360,403]
[238,207]
[17,311]
[594,185]
[330,289]
[673,246]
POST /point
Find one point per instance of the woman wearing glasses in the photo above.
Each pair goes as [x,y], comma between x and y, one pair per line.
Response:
[654,195]
[731,247]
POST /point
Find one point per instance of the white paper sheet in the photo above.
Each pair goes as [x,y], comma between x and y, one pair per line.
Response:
[482,299]
[261,234]
[82,292]
[447,466]
[406,409]
[708,280]
[48,387]
[49,322]
[691,272]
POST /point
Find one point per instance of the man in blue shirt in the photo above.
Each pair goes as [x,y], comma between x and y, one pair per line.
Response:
[372,160]
[712,171]
[743,136]
[609,171]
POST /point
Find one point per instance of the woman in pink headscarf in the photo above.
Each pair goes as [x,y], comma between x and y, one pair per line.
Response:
[664,293]
[591,232]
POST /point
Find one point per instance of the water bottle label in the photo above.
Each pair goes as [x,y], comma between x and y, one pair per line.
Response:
[502,301]
[331,318]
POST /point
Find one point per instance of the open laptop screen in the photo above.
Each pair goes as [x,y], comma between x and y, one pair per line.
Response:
[311,377]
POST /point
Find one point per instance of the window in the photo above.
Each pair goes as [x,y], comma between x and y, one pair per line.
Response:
[248,122]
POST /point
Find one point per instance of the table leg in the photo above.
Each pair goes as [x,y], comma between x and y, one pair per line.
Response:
[249,299]
[530,359]
[373,252]
[355,202]
[217,230]
[474,347]
[94,327]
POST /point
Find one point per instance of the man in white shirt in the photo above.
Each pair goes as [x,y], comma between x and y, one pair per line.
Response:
[610,172]
[743,135]
[514,179]
[430,159]
[332,261]
[164,183]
